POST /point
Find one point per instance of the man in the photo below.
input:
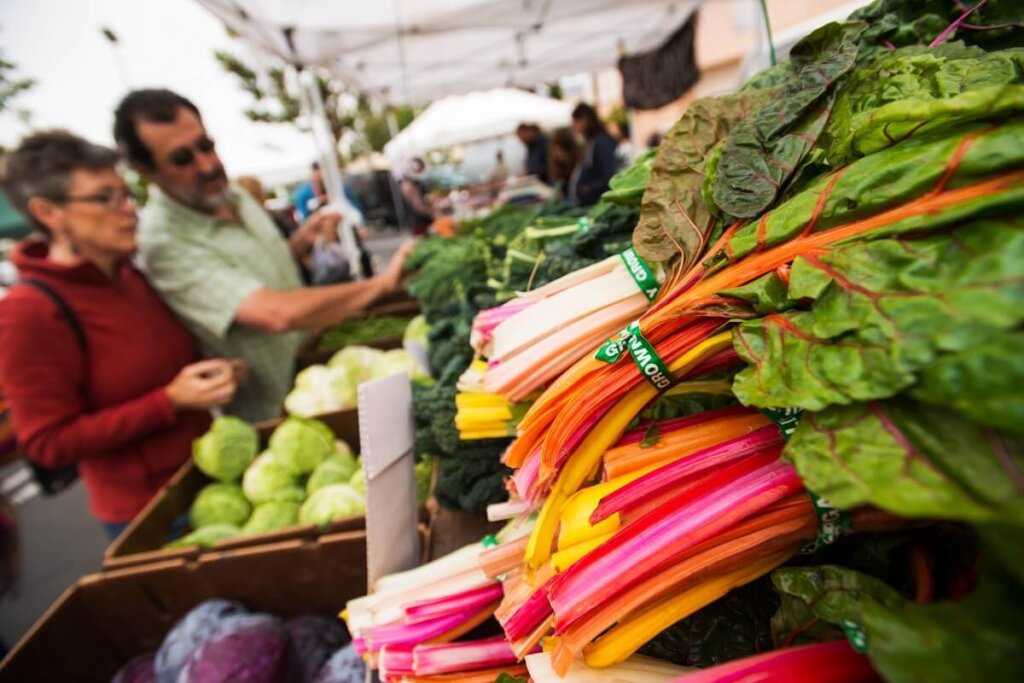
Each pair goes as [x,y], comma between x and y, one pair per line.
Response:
[536,151]
[218,260]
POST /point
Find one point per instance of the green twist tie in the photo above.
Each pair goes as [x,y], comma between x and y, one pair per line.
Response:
[641,273]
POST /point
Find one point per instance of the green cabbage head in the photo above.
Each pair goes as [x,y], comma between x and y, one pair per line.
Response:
[271,516]
[302,444]
[206,536]
[227,449]
[330,503]
[337,469]
[270,479]
[219,503]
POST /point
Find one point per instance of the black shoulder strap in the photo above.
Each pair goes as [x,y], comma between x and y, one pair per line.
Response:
[63,307]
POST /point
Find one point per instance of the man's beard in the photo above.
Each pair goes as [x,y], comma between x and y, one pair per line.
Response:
[204,201]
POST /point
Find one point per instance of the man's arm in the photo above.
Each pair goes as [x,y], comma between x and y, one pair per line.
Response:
[310,308]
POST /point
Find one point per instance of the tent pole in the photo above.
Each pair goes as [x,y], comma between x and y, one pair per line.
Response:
[327,150]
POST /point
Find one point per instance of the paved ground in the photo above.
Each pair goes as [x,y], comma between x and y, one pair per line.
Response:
[61,541]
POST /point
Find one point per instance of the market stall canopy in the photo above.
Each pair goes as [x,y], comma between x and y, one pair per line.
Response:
[461,119]
[416,51]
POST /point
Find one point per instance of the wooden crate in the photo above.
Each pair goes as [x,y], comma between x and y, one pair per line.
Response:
[105,619]
[143,540]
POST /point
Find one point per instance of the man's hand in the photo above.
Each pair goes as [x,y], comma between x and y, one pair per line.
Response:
[392,275]
[323,223]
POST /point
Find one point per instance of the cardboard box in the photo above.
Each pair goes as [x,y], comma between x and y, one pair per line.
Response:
[106,619]
[143,540]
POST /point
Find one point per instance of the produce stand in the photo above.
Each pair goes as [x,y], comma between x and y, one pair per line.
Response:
[309,354]
[105,619]
[142,541]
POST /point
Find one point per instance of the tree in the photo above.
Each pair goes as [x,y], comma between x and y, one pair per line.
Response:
[276,102]
[11,86]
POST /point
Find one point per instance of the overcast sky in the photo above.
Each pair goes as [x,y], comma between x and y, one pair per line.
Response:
[165,43]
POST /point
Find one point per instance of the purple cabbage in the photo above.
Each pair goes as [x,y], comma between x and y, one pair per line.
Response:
[244,647]
[189,634]
[344,666]
[139,669]
[314,639]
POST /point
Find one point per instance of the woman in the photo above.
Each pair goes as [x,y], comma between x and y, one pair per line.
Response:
[564,157]
[96,370]
[599,162]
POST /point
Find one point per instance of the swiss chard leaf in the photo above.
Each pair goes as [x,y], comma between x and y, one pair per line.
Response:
[764,150]
[674,215]
[892,178]
[735,626]
[978,638]
[912,460]
[914,90]
[883,312]
[984,382]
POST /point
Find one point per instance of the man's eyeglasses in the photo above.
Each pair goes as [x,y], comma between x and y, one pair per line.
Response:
[185,156]
[112,199]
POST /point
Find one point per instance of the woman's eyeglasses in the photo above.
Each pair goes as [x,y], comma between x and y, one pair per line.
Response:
[111,199]
[184,156]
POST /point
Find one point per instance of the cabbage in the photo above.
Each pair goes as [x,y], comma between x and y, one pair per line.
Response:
[357,361]
[271,516]
[332,502]
[342,447]
[242,647]
[358,480]
[396,361]
[138,670]
[344,666]
[206,537]
[227,449]
[269,479]
[219,503]
[314,639]
[416,332]
[189,634]
[337,469]
[320,389]
[302,444]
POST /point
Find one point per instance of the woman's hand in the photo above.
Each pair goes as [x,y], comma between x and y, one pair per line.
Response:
[203,385]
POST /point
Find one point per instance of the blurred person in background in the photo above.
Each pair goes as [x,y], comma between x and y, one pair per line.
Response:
[565,156]
[498,176]
[599,163]
[536,143]
[97,371]
[417,212]
[217,258]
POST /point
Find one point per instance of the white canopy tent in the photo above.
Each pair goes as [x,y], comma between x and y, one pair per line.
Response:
[416,51]
[462,119]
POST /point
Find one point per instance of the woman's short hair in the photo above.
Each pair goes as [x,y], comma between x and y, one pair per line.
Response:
[41,166]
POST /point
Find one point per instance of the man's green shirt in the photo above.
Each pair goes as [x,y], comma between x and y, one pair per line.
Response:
[204,268]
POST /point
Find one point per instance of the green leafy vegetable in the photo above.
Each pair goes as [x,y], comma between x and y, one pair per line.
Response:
[219,503]
[894,177]
[353,332]
[272,516]
[885,311]
[737,625]
[764,150]
[674,217]
[627,186]
[914,90]
[226,449]
[911,459]
[977,638]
